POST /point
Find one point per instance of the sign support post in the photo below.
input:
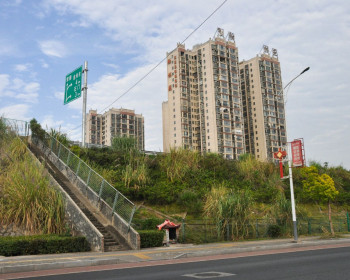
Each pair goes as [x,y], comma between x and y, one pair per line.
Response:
[84,102]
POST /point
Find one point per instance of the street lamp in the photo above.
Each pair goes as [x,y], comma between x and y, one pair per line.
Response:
[301,73]
[291,174]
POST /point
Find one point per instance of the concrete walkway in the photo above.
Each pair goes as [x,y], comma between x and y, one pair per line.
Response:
[174,252]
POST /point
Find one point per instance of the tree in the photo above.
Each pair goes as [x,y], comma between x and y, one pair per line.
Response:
[320,187]
[36,129]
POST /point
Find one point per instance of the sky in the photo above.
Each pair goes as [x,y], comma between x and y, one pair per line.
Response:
[42,41]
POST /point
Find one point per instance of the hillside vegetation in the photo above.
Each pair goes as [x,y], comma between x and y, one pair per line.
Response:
[230,193]
[26,198]
[186,178]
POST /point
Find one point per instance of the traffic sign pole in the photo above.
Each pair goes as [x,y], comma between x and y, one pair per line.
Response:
[84,102]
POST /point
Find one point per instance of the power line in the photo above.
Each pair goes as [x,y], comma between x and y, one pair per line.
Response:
[156,66]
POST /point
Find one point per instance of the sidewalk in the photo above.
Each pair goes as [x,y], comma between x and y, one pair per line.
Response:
[173,252]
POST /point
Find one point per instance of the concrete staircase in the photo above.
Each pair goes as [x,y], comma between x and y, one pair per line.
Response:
[111,240]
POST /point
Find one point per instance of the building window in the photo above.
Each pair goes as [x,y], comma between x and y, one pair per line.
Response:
[175,135]
[256,138]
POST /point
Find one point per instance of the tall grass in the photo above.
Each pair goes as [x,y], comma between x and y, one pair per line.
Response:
[27,200]
[179,162]
[229,207]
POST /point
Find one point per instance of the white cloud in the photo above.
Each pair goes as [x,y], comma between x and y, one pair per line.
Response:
[22,67]
[18,89]
[4,84]
[53,48]
[44,64]
[18,111]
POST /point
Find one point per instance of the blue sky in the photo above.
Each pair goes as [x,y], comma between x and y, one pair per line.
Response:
[42,41]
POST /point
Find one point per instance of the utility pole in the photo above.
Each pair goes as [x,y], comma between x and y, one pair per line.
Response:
[84,101]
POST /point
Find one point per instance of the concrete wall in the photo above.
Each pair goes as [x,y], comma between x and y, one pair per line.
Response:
[128,234]
[12,230]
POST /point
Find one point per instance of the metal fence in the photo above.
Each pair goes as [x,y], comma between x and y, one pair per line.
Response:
[105,191]
[205,231]
[21,128]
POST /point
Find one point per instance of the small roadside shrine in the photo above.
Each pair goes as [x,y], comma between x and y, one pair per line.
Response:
[171,231]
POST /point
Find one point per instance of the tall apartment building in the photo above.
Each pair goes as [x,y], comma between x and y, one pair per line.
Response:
[204,107]
[263,105]
[102,128]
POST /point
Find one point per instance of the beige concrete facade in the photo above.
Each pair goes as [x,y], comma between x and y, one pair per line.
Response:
[204,107]
[102,128]
[263,105]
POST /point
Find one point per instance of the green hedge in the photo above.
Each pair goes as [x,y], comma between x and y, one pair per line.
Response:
[147,224]
[42,244]
[151,238]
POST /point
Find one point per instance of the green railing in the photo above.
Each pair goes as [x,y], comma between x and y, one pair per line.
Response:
[105,191]
[21,128]
[205,231]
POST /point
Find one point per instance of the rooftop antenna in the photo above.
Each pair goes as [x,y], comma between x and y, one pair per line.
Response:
[230,37]
[219,32]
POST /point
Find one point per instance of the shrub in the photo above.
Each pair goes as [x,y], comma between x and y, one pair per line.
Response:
[191,201]
[148,224]
[274,231]
[151,238]
[37,129]
[42,244]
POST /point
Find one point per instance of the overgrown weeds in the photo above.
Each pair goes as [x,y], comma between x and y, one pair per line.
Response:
[229,206]
[27,200]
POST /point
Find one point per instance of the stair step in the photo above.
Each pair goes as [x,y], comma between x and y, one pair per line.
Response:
[110,243]
[114,248]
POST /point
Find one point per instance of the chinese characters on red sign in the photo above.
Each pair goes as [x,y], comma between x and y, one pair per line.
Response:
[297,153]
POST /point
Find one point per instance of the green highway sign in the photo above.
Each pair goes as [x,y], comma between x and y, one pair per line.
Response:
[72,88]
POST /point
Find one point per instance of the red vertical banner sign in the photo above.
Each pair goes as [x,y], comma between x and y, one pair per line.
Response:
[297,153]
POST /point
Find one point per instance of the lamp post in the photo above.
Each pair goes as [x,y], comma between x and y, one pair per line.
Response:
[290,176]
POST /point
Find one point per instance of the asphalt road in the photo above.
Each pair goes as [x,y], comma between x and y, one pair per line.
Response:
[323,264]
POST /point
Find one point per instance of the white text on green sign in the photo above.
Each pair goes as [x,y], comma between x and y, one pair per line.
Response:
[73,85]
